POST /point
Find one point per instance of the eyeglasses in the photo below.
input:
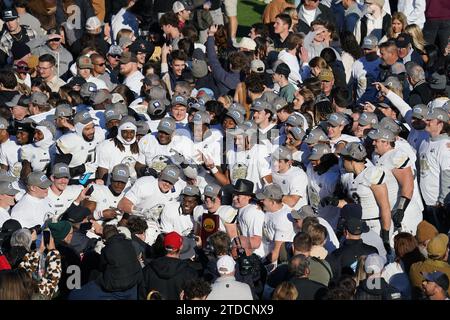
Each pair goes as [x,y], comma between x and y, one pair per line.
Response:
[100,64]
[115,56]
[54,40]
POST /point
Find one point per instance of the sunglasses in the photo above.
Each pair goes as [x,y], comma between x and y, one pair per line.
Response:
[54,40]
[100,64]
[115,56]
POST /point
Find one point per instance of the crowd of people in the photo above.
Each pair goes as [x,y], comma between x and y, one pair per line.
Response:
[147,152]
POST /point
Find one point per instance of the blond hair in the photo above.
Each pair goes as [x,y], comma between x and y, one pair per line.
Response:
[417,36]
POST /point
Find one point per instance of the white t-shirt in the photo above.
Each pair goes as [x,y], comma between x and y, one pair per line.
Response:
[150,148]
[9,156]
[293,182]
[133,81]
[434,158]
[250,164]
[277,227]
[251,222]
[31,211]
[62,202]
[343,137]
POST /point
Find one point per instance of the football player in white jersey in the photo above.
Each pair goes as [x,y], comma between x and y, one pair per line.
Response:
[263,113]
[77,149]
[60,194]
[407,210]
[292,180]
[38,155]
[250,217]
[9,150]
[278,228]
[336,124]
[294,142]
[154,147]
[434,158]
[323,172]
[121,149]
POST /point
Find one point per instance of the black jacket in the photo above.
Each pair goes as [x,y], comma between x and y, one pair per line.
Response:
[325,15]
[421,94]
[166,275]
[344,259]
[308,289]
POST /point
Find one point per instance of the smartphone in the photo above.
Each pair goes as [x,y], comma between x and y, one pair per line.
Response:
[90,190]
[46,236]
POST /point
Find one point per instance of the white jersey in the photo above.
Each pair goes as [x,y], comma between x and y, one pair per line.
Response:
[62,202]
[343,137]
[251,222]
[250,164]
[108,156]
[150,150]
[82,151]
[31,211]
[9,156]
[39,158]
[226,215]
[293,182]
[434,169]
[146,194]
[277,227]
[172,219]
[4,215]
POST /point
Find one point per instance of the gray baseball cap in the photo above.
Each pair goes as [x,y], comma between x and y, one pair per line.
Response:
[197,106]
[383,134]
[87,89]
[191,190]
[272,191]
[319,150]
[354,150]
[5,177]
[179,100]
[368,118]
[370,42]
[279,103]
[390,124]
[112,114]
[159,93]
[260,105]
[316,135]
[38,179]
[61,170]
[295,120]
[420,111]
[337,119]
[167,125]
[3,123]
[170,174]
[155,108]
[438,114]
[142,127]
[49,125]
[298,133]
[204,99]
[120,173]
[393,82]
[83,117]
[201,117]
[63,110]
[269,96]
[15,101]
[282,153]
[303,212]
[239,107]
[8,189]
[236,116]
[38,98]
[211,190]
[100,96]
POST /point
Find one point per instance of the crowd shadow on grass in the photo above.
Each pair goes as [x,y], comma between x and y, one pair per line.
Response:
[258,7]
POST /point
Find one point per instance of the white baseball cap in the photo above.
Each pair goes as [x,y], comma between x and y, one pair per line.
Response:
[178,6]
[247,43]
[225,265]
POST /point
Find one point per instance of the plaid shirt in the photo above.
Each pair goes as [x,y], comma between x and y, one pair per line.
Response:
[6,41]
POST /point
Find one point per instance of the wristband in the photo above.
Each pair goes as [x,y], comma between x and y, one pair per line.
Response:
[403,203]
[214,170]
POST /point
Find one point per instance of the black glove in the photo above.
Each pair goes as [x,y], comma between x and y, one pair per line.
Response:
[398,214]
[329,201]
[384,234]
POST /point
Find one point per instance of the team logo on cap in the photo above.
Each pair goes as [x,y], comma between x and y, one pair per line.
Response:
[236,114]
[86,115]
[209,188]
[197,117]
[156,104]
[166,124]
[334,117]
[418,110]
[109,113]
[43,178]
[122,172]
[63,169]
[172,173]
[179,99]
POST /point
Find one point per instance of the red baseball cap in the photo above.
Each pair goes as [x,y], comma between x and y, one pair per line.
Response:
[173,241]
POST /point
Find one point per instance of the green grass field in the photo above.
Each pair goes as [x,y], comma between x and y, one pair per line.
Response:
[249,12]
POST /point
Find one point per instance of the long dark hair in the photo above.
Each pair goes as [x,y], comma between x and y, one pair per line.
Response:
[134,148]
[350,45]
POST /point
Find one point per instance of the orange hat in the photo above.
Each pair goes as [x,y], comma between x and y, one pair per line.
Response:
[425,231]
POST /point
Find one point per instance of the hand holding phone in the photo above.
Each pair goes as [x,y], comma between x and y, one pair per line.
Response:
[89,190]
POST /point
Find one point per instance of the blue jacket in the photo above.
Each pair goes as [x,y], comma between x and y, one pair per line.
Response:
[226,81]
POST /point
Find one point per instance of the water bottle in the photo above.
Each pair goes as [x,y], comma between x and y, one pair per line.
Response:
[84,178]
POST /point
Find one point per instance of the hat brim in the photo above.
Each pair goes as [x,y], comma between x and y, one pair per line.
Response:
[315,157]
[243,193]
[61,175]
